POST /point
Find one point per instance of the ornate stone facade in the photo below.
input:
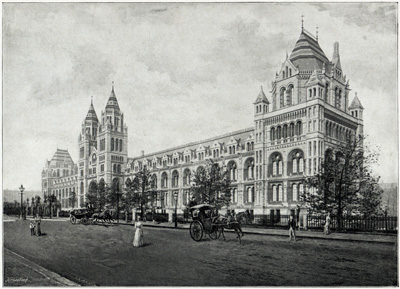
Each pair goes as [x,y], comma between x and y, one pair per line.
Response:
[267,163]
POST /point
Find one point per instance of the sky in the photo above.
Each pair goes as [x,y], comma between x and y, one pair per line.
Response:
[182,71]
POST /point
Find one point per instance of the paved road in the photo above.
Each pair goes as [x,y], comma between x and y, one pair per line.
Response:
[103,255]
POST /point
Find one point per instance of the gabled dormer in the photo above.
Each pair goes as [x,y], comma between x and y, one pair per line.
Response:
[315,85]
[288,70]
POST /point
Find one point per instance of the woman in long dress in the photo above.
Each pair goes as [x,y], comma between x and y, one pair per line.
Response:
[138,240]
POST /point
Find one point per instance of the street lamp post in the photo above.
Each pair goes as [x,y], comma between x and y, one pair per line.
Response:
[176,203]
[21,189]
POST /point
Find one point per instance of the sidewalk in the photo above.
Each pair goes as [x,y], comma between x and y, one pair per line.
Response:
[19,271]
[350,237]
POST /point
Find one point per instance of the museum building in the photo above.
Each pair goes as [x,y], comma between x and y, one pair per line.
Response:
[307,113]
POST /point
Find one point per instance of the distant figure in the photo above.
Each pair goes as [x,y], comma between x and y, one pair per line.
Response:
[327,224]
[38,220]
[138,240]
[32,227]
[292,226]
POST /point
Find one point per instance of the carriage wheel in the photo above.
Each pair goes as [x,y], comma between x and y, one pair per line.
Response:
[84,220]
[72,219]
[196,231]
[215,233]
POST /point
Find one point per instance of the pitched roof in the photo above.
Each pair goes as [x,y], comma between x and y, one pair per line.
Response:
[356,103]
[112,101]
[91,115]
[307,53]
[261,97]
[315,79]
[61,156]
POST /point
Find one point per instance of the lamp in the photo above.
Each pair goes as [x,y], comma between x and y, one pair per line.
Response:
[176,203]
[21,189]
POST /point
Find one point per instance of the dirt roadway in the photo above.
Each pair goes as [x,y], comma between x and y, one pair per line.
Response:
[102,255]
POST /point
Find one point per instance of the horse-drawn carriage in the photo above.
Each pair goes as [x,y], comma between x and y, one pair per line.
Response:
[87,216]
[80,215]
[206,221]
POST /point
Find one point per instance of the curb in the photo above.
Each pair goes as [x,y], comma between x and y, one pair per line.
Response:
[285,236]
[47,273]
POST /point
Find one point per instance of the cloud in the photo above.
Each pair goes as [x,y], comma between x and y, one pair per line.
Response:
[378,17]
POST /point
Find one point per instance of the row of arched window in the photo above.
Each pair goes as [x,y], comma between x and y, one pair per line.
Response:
[295,163]
[286,131]
[293,194]
[117,168]
[339,132]
[116,144]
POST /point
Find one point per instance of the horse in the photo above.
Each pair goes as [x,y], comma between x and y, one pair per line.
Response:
[104,216]
[236,224]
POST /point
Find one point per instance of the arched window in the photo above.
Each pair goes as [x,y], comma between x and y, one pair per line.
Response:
[294,165]
[274,193]
[249,169]
[120,145]
[282,97]
[272,134]
[175,179]
[295,194]
[301,189]
[289,95]
[164,180]
[291,130]
[278,133]
[301,165]
[285,131]
[280,166]
[326,92]
[116,144]
[274,166]
[112,144]
[186,177]
[299,130]
[119,168]
[280,193]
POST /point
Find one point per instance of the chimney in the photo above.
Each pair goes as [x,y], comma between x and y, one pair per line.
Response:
[142,153]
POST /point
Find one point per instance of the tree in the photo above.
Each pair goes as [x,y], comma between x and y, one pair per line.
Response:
[211,185]
[101,194]
[51,199]
[92,194]
[72,199]
[345,184]
[141,190]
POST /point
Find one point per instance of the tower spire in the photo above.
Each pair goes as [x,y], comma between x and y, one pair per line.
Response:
[302,22]
[112,86]
[91,99]
[317,33]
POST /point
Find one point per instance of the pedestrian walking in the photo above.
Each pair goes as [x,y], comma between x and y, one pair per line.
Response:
[327,224]
[32,227]
[292,226]
[38,220]
[138,239]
